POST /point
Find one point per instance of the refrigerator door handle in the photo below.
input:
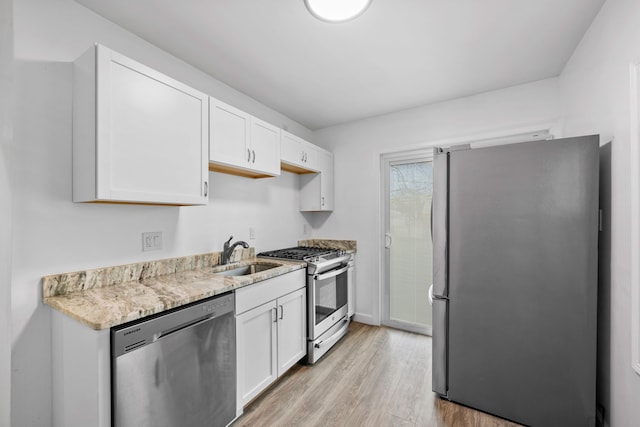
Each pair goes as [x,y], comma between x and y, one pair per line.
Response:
[439,231]
[388,241]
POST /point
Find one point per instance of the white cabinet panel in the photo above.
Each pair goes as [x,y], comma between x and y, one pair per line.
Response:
[229,139]
[240,144]
[316,190]
[271,331]
[256,341]
[81,373]
[265,147]
[138,135]
[298,155]
[292,334]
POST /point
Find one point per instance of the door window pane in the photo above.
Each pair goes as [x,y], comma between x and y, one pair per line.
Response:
[410,187]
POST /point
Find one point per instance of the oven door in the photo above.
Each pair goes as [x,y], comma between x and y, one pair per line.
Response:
[327,297]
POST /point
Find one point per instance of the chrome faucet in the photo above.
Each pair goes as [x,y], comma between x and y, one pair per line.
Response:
[227,250]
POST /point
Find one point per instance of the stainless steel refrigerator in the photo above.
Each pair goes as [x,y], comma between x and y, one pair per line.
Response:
[515,235]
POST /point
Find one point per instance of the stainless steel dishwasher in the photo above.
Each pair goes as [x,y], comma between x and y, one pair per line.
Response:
[177,368]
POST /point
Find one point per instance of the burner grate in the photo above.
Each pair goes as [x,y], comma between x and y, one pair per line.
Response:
[296,253]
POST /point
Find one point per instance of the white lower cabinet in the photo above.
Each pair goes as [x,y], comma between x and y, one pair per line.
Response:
[292,336]
[270,332]
[81,373]
[256,344]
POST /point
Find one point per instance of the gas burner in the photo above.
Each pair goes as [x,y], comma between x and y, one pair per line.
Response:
[300,253]
[317,259]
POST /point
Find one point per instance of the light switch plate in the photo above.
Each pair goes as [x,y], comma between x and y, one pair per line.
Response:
[151,241]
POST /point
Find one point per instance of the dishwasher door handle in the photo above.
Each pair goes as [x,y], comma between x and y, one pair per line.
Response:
[196,322]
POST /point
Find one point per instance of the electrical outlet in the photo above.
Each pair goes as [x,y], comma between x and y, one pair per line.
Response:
[151,241]
[252,233]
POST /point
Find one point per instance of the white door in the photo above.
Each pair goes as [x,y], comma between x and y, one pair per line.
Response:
[408,249]
[265,147]
[326,182]
[229,130]
[292,332]
[256,338]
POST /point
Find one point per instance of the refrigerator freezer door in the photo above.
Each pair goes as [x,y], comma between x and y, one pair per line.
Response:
[523,280]
[439,343]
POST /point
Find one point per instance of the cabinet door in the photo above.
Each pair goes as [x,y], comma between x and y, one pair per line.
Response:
[292,333]
[138,134]
[265,147]
[312,157]
[297,155]
[326,182]
[291,151]
[256,340]
[229,134]
[316,190]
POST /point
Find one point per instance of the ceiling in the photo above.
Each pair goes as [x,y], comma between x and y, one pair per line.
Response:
[398,55]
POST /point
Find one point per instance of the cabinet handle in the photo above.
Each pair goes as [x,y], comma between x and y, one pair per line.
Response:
[206,189]
[281,312]
[274,317]
[322,201]
[254,155]
[248,155]
[305,157]
[302,156]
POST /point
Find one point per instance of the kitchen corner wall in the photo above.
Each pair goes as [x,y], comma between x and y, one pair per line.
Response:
[53,235]
[357,194]
[595,94]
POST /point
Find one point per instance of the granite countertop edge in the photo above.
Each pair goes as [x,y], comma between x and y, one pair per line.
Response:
[104,307]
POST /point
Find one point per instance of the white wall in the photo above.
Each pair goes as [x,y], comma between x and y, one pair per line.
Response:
[6,139]
[357,147]
[596,99]
[54,235]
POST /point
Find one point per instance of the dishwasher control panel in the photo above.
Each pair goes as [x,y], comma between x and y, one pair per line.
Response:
[131,336]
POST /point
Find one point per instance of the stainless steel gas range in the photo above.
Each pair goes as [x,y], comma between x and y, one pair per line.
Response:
[327,295]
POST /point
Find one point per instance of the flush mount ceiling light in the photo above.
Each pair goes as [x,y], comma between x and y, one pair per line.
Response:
[337,10]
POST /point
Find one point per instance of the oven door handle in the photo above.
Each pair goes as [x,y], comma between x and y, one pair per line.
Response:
[335,337]
[330,274]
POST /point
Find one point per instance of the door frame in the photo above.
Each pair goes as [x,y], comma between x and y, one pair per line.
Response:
[386,161]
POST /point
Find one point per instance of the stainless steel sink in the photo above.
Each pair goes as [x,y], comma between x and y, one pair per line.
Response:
[245,270]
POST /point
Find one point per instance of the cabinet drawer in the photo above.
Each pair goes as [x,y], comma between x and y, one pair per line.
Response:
[262,292]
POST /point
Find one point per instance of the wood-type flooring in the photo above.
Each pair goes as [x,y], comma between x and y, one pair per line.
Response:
[375,376]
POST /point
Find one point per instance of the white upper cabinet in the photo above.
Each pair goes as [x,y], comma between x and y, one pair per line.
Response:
[326,181]
[241,144]
[298,155]
[229,134]
[316,190]
[265,147]
[138,135]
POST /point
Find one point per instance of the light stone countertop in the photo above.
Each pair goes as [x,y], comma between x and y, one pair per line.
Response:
[107,297]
